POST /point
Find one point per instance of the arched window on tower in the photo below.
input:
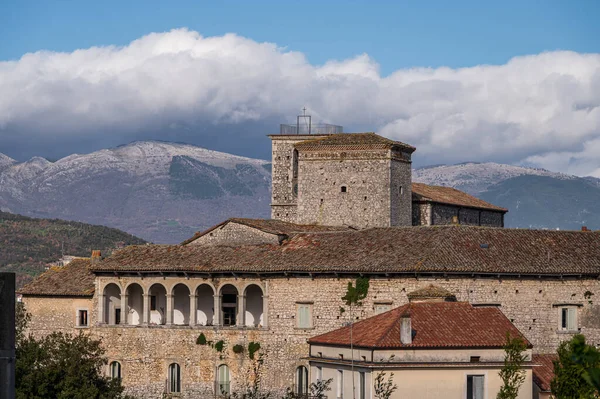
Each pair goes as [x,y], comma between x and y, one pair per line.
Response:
[115,370]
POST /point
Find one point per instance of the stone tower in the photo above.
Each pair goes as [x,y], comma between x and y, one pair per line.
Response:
[351,179]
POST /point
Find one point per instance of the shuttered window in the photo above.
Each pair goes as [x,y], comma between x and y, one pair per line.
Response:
[568,319]
[304,315]
[475,386]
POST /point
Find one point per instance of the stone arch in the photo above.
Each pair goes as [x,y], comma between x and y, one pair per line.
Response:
[229,304]
[157,304]
[111,296]
[135,303]
[253,312]
[205,304]
[181,304]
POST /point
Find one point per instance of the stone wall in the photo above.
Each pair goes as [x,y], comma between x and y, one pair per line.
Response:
[236,234]
[443,214]
[365,177]
[400,191]
[146,351]
[50,314]
[283,193]
[421,214]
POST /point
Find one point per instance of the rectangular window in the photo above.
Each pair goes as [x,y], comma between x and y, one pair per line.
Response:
[319,373]
[340,384]
[153,302]
[475,387]
[82,318]
[118,316]
[568,319]
[381,307]
[304,315]
[362,385]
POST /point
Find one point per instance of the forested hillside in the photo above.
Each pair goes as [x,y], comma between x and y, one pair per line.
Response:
[27,244]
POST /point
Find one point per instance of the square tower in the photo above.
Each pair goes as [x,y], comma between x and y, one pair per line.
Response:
[347,179]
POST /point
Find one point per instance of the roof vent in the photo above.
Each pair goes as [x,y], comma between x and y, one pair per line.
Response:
[484,246]
[584,228]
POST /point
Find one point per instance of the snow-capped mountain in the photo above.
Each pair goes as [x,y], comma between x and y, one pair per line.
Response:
[164,192]
[161,191]
[475,178]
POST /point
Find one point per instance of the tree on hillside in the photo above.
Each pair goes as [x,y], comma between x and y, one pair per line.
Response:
[571,370]
[512,373]
[61,366]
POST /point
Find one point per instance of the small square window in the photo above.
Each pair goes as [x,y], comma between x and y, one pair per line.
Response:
[304,315]
[82,318]
[344,189]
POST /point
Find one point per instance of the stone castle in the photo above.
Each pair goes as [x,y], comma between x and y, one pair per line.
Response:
[343,207]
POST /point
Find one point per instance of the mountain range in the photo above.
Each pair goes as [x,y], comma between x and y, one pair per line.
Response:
[164,192]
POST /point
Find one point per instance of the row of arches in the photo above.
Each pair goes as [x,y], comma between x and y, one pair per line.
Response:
[179,306]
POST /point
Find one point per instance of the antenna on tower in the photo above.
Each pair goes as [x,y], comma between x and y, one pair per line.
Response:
[307,121]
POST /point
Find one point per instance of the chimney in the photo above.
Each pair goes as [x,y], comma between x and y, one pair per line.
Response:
[96,256]
[405,329]
[584,228]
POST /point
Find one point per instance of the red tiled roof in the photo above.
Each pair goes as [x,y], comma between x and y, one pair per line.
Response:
[419,249]
[352,141]
[74,279]
[278,227]
[543,370]
[434,325]
[450,196]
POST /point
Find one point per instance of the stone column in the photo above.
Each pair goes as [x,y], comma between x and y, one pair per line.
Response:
[146,310]
[124,309]
[217,311]
[265,322]
[169,309]
[241,311]
[101,317]
[193,303]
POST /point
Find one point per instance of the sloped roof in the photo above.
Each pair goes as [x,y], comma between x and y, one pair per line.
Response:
[419,249]
[434,325]
[450,196]
[543,370]
[74,279]
[272,226]
[352,141]
[431,291]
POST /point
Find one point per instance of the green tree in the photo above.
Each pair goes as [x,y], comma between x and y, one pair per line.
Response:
[61,366]
[384,388]
[512,373]
[574,370]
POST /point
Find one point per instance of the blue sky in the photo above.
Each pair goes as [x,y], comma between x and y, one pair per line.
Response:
[505,81]
[398,34]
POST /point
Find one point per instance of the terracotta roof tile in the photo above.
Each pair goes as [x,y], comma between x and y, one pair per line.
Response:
[450,196]
[434,325]
[420,249]
[272,226]
[543,370]
[352,141]
[74,279]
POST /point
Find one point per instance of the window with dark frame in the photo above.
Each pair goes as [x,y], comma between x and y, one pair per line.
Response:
[174,378]
[152,302]
[82,318]
[568,319]
[475,386]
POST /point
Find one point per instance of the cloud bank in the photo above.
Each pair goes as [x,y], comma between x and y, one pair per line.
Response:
[541,110]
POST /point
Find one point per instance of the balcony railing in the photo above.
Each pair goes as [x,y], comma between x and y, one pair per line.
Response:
[322,128]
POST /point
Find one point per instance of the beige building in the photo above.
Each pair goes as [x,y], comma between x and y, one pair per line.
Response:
[158,308]
[434,347]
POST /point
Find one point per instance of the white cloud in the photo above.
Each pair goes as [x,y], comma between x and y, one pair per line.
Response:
[540,109]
